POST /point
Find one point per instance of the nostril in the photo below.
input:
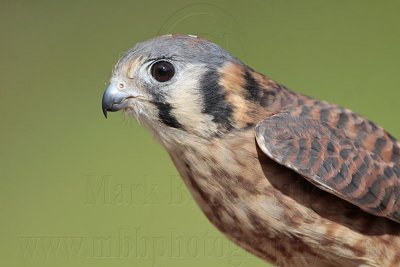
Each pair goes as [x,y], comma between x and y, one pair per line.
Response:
[121,86]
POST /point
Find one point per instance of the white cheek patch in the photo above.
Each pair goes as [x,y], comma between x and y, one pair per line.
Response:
[187,102]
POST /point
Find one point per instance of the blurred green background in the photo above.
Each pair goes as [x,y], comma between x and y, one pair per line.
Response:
[79,190]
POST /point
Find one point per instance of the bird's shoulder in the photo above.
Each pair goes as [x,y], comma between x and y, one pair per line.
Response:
[353,126]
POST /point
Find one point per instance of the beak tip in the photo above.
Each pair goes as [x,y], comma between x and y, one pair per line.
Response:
[104,103]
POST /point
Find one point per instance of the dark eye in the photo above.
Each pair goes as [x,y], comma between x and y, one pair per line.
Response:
[162,71]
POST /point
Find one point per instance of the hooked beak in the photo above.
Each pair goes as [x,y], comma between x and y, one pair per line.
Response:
[114,99]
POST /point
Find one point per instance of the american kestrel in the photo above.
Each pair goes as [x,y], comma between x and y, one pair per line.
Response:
[294,180]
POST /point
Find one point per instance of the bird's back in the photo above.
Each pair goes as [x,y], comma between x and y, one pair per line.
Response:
[274,212]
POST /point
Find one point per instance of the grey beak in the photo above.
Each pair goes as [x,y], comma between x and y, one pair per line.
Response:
[114,99]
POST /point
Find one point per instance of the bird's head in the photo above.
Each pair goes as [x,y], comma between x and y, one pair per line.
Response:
[178,85]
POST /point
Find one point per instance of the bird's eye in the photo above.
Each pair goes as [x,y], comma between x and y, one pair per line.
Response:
[162,71]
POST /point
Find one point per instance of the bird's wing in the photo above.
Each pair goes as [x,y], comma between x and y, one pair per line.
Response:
[334,162]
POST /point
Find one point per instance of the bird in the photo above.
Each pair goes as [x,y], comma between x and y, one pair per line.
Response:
[294,180]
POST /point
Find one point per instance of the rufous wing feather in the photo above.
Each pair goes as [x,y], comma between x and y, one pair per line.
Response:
[328,158]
